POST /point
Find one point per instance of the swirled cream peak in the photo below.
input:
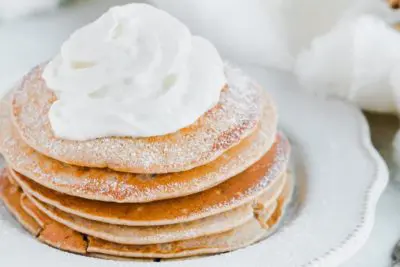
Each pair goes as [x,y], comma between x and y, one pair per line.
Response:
[136,71]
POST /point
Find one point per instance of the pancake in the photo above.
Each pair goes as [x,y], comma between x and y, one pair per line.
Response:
[157,234]
[47,231]
[112,186]
[10,178]
[10,194]
[236,116]
[265,175]
[194,207]
[53,233]
[236,238]
[152,234]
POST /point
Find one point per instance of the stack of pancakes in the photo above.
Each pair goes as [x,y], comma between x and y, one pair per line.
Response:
[217,185]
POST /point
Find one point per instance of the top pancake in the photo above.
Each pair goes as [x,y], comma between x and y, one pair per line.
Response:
[235,117]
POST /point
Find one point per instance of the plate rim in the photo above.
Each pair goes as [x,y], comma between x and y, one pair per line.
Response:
[360,234]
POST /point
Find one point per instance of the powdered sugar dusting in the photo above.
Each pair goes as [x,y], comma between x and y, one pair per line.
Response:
[235,117]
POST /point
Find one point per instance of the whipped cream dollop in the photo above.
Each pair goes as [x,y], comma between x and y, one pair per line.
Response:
[136,71]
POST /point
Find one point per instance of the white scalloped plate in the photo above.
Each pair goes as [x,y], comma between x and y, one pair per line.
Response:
[340,175]
[344,177]
[339,178]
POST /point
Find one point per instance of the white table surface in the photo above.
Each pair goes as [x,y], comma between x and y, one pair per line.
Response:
[24,43]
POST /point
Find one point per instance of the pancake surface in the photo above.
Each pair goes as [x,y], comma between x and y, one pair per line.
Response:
[235,117]
[109,185]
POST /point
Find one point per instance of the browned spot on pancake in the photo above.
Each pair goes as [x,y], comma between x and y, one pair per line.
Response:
[146,177]
[184,211]
[276,215]
[62,237]
[263,213]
